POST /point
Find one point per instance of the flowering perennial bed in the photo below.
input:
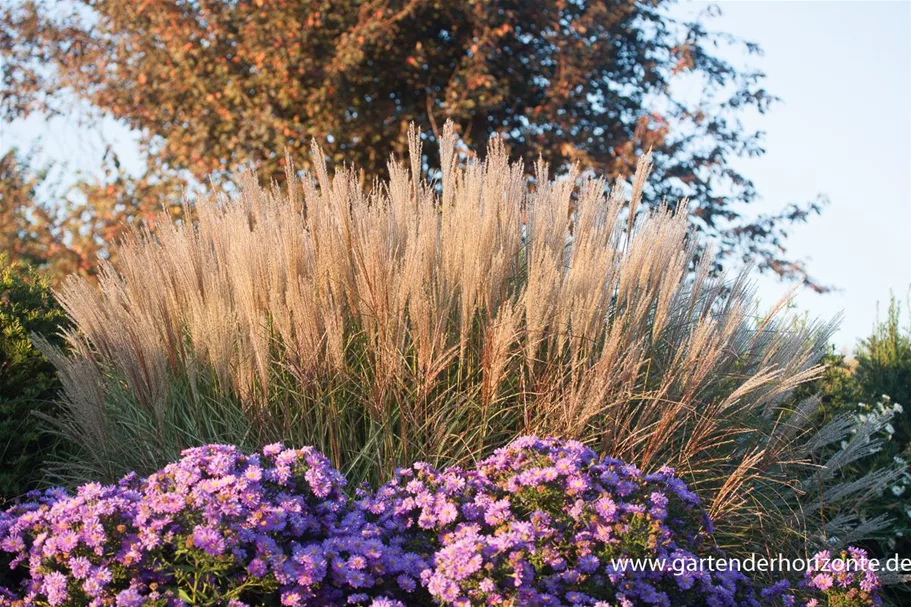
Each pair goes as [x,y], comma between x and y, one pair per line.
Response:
[540,523]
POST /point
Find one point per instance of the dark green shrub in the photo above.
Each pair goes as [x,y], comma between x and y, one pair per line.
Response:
[876,385]
[28,381]
[836,388]
[884,367]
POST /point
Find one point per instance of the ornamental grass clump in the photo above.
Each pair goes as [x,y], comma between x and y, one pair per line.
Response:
[438,322]
[541,523]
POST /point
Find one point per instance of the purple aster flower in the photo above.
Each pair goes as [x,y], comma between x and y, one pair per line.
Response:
[209,540]
[54,587]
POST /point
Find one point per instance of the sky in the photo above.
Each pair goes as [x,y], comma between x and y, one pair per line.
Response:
[843,129]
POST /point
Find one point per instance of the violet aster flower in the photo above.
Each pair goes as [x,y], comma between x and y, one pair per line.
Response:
[209,540]
[54,587]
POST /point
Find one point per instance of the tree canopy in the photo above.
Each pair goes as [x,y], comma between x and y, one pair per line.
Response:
[211,85]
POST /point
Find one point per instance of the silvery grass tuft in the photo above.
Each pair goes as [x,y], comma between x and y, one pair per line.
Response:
[438,321]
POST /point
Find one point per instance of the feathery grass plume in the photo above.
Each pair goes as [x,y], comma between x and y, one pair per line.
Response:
[407,323]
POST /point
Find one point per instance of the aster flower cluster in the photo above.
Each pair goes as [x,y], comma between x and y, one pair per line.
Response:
[545,522]
[843,579]
[217,527]
[541,522]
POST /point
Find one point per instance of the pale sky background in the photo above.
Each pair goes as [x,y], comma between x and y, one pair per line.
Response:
[843,128]
[843,71]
